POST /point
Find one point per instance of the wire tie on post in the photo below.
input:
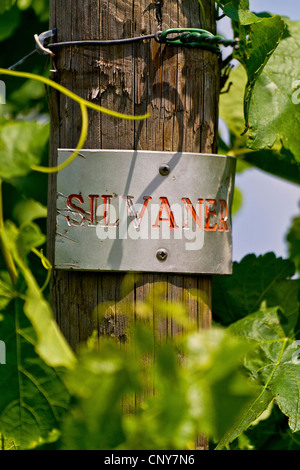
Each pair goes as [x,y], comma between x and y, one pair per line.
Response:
[185,37]
[40,40]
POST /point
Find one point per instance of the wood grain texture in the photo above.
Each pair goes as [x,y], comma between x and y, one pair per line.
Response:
[180,88]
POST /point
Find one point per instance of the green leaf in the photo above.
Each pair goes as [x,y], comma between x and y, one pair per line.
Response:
[257,407]
[269,432]
[293,239]
[257,46]
[29,237]
[24,4]
[277,161]
[27,210]
[98,384]
[238,10]
[33,397]
[21,146]
[255,280]
[255,52]
[6,289]
[28,92]
[271,365]
[206,393]
[6,5]
[7,444]
[237,201]
[51,344]
[213,367]
[231,105]
[41,9]
[9,20]
[273,112]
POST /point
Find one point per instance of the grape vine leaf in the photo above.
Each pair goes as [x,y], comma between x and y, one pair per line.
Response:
[238,10]
[214,376]
[256,279]
[231,106]
[33,397]
[51,344]
[205,393]
[257,48]
[41,9]
[21,146]
[268,52]
[277,161]
[27,210]
[271,364]
[237,202]
[6,5]
[30,236]
[272,109]
[9,21]
[6,289]
[259,35]
[7,444]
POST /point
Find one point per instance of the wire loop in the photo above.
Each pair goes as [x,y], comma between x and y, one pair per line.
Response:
[184,37]
[40,42]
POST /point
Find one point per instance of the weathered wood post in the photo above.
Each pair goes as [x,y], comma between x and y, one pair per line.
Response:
[178,86]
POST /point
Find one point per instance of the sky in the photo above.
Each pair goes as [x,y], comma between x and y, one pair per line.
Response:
[269,203]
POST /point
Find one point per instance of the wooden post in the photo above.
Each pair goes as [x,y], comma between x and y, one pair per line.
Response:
[178,86]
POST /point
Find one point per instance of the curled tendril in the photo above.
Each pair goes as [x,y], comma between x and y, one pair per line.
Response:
[84,105]
[83,134]
[202,13]
[46,264]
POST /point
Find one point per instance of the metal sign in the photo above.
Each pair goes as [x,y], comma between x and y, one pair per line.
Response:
[143,211]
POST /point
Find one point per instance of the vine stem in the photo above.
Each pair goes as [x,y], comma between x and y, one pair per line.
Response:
[5,251]
[80,145]
[202,13]
[84,105]
[73,96]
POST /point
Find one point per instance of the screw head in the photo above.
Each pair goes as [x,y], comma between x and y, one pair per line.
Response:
[162,254]
[164,169]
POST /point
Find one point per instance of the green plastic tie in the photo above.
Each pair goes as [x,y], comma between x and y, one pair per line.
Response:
[194,38]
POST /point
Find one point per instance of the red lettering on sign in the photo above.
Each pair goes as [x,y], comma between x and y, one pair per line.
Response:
[190,208]
[71,205]
[107,211]
[137,217]
[93,198]
[165,206]
[106,206]
[223,216]
[213,220]
[209,213]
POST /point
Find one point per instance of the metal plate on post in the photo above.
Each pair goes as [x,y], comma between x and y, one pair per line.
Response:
[143,211]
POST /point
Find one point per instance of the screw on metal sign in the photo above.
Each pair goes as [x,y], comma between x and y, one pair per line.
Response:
[143,211]
[164,170]
[162,254]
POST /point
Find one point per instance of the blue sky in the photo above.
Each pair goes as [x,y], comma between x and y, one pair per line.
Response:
[269,202]
[290,8]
